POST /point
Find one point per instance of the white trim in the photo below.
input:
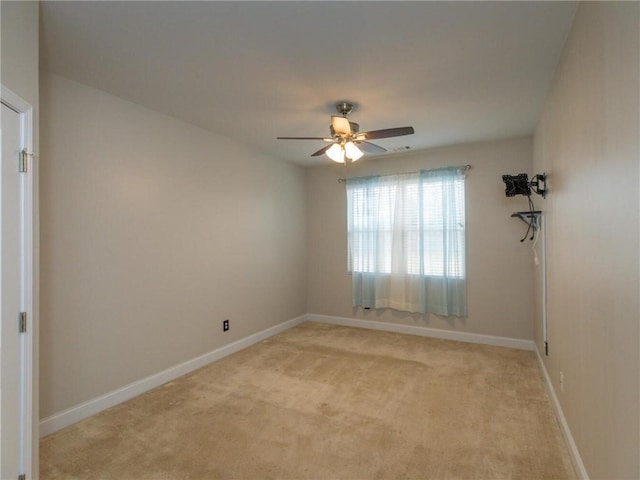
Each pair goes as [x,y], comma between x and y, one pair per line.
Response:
[16,103]
[74,414]
[520,344]
[29,365]
[30,415]
[576,459]
[545,318]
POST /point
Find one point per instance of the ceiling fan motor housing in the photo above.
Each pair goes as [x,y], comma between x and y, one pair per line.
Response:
[344,108]
[355,128]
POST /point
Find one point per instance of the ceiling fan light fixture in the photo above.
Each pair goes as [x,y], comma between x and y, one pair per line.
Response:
[336,153]
[352,151]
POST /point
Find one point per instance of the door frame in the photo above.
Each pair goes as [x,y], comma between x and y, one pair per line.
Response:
[29,340]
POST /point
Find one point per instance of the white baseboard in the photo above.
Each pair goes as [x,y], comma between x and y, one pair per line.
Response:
[520,344]
[74,414]
[576,459]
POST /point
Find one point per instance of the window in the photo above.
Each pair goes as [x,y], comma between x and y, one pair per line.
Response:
[410,226]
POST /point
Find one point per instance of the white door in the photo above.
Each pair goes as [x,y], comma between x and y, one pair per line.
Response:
[12,413]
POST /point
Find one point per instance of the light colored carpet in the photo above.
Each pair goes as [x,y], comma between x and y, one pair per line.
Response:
[327,402]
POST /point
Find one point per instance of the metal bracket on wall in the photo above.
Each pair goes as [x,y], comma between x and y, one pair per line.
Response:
[529,217]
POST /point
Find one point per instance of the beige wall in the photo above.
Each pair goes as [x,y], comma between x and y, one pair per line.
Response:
[19,49]
[153,232]
[587,139]
[500,284]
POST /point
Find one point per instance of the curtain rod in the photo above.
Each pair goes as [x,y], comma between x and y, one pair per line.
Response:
[344,180]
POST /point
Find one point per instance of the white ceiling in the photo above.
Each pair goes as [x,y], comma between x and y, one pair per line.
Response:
[456,71]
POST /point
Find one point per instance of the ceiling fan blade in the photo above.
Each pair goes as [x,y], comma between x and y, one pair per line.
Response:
[306,138]
[340,125]
[322,150]
[387,132]
[370,147]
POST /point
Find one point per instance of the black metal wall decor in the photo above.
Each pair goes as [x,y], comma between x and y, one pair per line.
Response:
[521,185]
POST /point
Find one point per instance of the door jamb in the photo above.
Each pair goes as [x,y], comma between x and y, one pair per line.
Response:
[29,373]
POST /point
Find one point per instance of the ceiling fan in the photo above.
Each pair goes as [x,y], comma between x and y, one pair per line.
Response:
[346,141]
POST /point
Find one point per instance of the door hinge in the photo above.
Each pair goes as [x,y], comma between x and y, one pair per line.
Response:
[22,476]
[23,163]
[546,348]
[22,322]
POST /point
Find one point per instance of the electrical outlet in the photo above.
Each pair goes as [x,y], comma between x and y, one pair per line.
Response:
[225,325]
[561,382]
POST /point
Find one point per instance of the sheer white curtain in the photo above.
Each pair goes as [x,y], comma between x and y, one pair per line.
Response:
[407,241]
